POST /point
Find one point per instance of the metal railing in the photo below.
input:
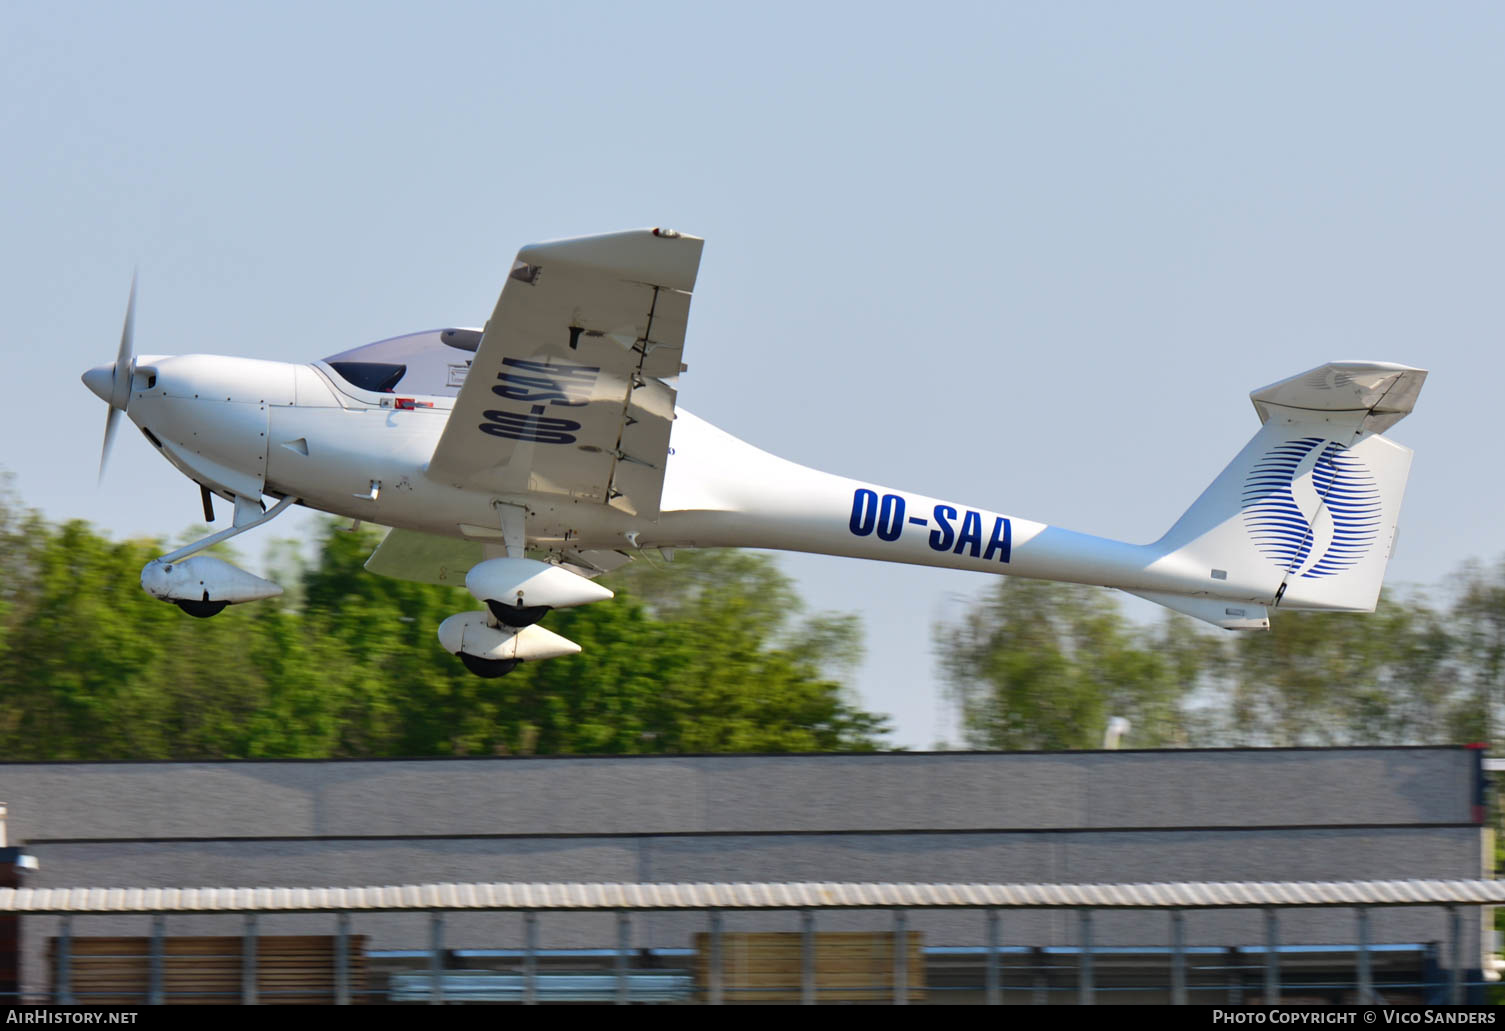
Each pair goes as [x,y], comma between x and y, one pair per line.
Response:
[715,900]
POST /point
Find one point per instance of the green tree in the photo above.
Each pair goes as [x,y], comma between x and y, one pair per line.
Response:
[348,664]
[1387,677]
[1476,625]
[93,668]
[741,647]
[1038,665]
[705,660]
[640,684]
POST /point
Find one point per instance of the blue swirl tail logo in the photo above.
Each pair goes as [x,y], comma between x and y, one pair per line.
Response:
[1311,507]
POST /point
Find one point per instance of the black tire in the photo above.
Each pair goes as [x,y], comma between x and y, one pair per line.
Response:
[517,618]
[488,668]
[201,609]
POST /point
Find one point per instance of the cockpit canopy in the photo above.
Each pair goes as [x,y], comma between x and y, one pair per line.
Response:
[433,363]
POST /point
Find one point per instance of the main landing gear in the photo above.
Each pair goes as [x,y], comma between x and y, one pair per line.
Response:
[488,668]
[517,592]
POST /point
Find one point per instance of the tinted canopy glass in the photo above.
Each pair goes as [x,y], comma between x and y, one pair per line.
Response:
[419,363]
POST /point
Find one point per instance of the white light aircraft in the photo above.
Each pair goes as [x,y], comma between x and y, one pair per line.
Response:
[525,459]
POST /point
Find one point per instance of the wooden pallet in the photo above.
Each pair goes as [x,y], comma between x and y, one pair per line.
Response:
[205,970]
[849,966]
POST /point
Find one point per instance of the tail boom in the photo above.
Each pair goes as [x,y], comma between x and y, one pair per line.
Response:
[1304,517]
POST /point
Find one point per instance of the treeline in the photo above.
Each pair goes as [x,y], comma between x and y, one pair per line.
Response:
[1046,666]
[713,659]
[711,653]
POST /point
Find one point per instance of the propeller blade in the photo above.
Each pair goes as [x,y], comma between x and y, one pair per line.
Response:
[120,378]
[125,363]
[111,417]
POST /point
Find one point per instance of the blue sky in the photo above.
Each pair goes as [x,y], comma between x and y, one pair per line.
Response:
[1031,257]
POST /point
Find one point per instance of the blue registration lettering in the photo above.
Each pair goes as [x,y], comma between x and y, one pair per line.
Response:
[545,382]
[971,535]
[864,511]
[940,539]
[529,426]
[891,518]
[1001,541]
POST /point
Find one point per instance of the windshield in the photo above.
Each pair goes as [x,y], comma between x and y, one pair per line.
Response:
[419,363]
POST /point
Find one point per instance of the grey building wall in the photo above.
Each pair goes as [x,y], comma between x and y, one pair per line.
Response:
[653,794]
[1339,814]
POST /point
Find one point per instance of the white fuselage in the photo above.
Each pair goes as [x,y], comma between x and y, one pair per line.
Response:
[246,427]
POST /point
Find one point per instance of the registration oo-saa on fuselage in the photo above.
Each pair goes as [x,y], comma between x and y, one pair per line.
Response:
[525,459]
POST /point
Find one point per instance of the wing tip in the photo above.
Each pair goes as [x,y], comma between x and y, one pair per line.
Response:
[663,257]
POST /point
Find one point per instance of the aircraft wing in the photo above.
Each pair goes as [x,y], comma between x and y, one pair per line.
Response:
[443,561]
[571,389]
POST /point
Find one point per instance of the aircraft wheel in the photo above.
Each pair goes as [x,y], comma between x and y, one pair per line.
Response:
[488,668]
[517,618]
[201,609]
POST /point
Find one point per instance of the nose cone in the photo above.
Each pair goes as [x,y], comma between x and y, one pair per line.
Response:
[101,380]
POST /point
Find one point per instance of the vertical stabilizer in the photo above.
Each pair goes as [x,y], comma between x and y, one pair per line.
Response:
[1305,517]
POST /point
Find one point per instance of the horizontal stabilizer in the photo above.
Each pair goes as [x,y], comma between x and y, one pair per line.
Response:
[1222,614]
[1386,391]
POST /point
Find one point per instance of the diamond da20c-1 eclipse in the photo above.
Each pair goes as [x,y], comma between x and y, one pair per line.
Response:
[527,458]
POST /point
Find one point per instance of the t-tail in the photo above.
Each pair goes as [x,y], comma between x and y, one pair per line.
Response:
[1305,517]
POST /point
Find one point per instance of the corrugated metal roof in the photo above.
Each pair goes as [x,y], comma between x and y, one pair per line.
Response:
[610,897]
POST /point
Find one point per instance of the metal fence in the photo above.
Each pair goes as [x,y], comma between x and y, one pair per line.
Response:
[624,984]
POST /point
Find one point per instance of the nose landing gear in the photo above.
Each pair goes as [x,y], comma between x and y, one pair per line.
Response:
[203,585]
[201,609]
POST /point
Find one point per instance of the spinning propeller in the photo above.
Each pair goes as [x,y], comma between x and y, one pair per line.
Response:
[112,383]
